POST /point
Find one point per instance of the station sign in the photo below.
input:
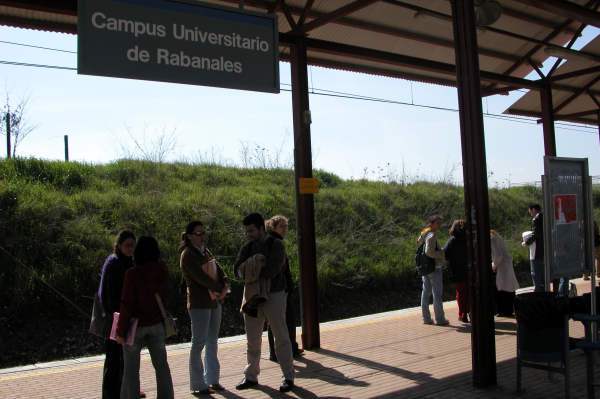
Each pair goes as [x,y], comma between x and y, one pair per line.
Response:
[180,42]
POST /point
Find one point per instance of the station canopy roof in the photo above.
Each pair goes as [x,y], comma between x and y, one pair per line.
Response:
[411,39]
[580,107]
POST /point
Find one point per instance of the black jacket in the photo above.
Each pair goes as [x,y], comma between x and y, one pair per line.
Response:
[455,250]
[289,284]
[537,236]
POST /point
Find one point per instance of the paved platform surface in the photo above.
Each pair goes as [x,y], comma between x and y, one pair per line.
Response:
[388,355]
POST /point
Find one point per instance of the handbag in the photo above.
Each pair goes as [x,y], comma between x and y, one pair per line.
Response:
[169,320]
[101,323]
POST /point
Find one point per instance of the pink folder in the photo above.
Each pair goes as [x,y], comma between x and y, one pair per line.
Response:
[210,268]
[130,332]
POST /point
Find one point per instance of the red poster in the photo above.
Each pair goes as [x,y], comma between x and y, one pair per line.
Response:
[565,208]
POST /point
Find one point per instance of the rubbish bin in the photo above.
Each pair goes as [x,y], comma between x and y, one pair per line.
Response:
[541,326]
[543,334]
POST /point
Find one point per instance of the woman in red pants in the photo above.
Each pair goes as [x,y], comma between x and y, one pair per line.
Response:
[456,257]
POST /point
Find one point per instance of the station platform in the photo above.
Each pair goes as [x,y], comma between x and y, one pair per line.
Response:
[386,355]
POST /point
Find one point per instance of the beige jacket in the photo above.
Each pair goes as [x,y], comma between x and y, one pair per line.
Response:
[255,287]
[432,248]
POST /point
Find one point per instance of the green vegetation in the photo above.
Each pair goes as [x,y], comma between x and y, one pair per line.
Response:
[61,219]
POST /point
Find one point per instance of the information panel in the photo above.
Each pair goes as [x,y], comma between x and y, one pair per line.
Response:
[567,217]
[182,42]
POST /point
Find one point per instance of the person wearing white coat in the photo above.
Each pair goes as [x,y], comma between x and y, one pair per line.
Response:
[506,281]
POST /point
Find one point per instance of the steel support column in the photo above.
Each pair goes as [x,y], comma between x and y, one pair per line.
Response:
[548,121]
[549,140]
[305,208]
[483,345]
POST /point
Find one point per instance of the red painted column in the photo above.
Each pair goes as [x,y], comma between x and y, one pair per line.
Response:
[483,343]
[305,208]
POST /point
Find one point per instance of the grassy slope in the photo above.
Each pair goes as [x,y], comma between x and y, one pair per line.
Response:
[61,218]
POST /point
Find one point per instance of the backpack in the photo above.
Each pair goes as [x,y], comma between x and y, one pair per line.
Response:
[425,264]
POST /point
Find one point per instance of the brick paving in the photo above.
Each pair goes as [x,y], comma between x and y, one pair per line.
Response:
[388,355]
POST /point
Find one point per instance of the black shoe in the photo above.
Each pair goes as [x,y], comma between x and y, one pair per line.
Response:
[245,384]
[299,353]
[273,358]
[286,386]
[463,320]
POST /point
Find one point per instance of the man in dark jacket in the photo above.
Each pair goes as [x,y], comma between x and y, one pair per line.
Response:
[537,236]
[273,309]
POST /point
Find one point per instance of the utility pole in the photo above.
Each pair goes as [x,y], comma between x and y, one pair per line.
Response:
[66,148]
[7,135]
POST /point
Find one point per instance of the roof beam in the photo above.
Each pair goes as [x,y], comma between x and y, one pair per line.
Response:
[28,23]
[577,94]
[339,13]
[403,60]
[536,48]
[305,12]
[594,99]
[574,74]
[63,7]
[566,9]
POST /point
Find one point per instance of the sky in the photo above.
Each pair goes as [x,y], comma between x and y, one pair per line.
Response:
[413,134]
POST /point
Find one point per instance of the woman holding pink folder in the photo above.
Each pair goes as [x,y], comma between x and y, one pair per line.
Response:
[148,276]
[206,285]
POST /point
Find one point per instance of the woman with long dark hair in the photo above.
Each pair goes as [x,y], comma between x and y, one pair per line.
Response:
[109,292]
[148,276]
[455,250]
[207,285]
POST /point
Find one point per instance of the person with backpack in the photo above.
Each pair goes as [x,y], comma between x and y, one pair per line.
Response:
[260,264]
[432,282]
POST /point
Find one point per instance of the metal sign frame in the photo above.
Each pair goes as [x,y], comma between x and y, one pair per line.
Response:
[179,41]
[566,225]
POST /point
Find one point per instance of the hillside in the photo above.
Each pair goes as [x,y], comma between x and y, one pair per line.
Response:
[60,219]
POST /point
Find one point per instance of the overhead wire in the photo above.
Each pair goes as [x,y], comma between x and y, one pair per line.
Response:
[332,93]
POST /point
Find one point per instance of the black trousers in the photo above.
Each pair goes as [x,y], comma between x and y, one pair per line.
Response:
[290,320]
[113,370]
[504,302]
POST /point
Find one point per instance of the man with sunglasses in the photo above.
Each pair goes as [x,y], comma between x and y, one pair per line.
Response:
[273,309]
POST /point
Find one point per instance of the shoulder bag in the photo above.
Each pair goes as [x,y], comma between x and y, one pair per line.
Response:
[101,323]
[169,320]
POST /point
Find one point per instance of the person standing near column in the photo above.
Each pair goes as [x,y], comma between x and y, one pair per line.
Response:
[277,226]
[260,247]
[537,236]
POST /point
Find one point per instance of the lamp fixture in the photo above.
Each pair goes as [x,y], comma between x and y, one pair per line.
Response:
[568,54]
[444,21]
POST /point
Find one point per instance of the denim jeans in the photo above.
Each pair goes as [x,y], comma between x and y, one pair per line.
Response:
[205,332]
[537,274]
[433,283]
[154,337]
[563,288]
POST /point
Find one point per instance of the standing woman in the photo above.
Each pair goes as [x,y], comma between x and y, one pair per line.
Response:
[455,250]
[111,286]
[433,281]
[506,281]
[204,300]
[147,277]
[277,226]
